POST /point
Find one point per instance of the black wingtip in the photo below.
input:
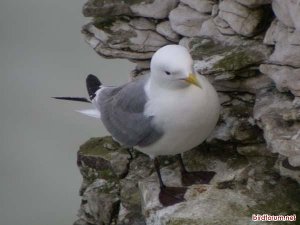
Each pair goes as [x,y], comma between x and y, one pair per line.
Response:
[92,84]
[77,99]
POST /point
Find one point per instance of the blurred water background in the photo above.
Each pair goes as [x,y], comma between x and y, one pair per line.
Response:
[43,54]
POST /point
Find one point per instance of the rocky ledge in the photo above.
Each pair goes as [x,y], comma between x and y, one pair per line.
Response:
[249,50]
[121,189]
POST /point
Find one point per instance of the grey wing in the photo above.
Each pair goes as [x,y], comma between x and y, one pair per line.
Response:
[122,113]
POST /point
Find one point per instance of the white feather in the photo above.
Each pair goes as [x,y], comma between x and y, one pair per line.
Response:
[90,112]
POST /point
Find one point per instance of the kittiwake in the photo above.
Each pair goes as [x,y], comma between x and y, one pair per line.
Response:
[167,112]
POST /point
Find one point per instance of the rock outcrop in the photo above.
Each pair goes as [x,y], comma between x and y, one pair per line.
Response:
[249,50]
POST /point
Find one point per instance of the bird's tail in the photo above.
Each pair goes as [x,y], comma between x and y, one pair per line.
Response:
[93,84]
[76,99]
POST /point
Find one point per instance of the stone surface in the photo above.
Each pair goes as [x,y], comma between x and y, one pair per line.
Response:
[202,6]
[288,12]
[287,44]
[241,19]
[285,78]
[156,9]
[254,149]
[122,40]
[146,8]
[284,63]
[100,203]
[230,68]
[241,187]
[95,8]
[186,21]
[223,27]
[142,24]
[165,29]
[285,54]
[253,3]
[279,119]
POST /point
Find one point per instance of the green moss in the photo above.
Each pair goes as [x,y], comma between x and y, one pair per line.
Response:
[204,47]
[89,174]
[107,22]
[108,174]
[104,23]
[237,60]
[96,146]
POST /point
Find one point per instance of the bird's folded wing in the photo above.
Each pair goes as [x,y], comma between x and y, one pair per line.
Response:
[122,112]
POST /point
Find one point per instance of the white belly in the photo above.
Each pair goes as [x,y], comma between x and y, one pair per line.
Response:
[187,117]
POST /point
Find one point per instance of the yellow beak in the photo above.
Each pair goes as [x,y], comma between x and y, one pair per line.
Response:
[192,79]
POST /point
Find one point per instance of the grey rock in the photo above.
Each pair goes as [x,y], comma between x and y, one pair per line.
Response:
[205,199]
[255,150]
[288,12]
[165,29]
[293,174]
[108,52]
[120,40]
[285,78]
[286,54]
[211,30]
[142,24]
[124,36]
[257,135]
[277,32]
[130,213]
[140,168]
[253,3]
[96,8]
[223,26]
[230,68]
[100,203]
[141,65]
[236,123]
[215,10]
[81,222]
[186,21]
[156,9]
[202,6]
[216,57]
[104,156]
[241,187]
[130,217]
[242,20]
[287,44]
[277,116]
[103,50]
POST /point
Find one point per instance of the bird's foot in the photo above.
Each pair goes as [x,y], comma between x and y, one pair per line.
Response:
[171,195]
[197,177]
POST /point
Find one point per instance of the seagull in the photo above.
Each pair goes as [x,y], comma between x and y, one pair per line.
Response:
[166,112]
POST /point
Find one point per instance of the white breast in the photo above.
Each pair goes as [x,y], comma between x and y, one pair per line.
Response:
[187,116]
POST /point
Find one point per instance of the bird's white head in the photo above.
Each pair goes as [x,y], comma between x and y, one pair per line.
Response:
[172,67]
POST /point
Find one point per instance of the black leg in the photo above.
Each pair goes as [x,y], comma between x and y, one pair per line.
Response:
[157,168]
[197,177]
[168,195]
[182,167]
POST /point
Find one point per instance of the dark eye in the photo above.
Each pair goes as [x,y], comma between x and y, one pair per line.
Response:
[167,72]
